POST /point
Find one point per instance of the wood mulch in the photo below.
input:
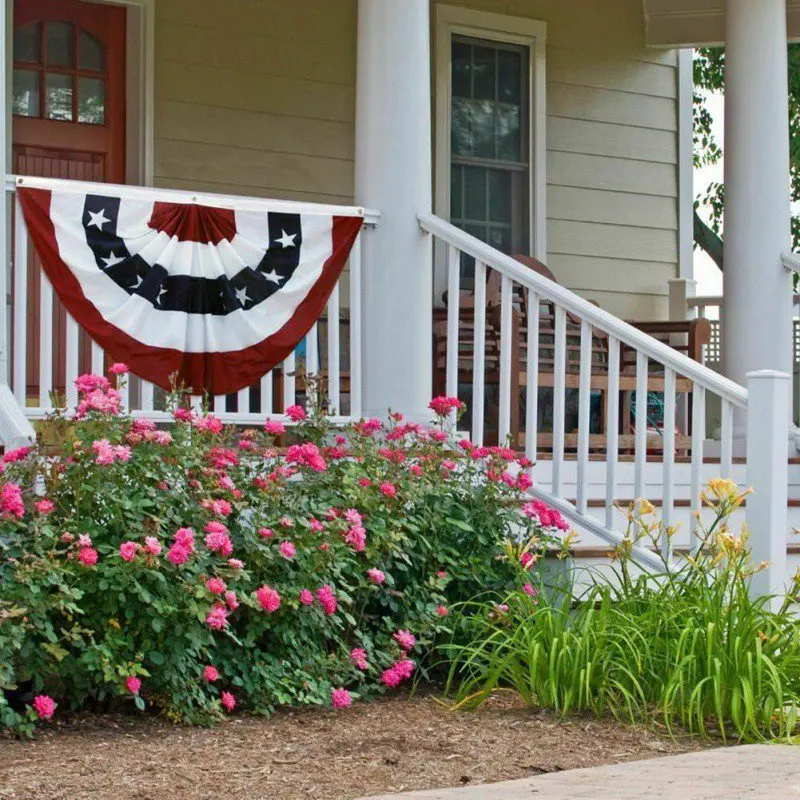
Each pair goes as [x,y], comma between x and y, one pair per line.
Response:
[390,745]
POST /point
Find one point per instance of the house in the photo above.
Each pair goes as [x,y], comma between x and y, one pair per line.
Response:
[559,129]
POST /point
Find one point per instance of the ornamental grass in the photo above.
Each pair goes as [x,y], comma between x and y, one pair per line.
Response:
[689,647]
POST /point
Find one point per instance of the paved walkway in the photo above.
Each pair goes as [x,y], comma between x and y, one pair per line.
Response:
[753,772]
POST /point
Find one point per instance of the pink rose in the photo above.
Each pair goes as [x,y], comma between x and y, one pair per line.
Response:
[44,706]
[341,698]
[127,550]
[118,369]
[211,674]
[87,556]
[133,684]
[295,413]
[268,598]
[228,701]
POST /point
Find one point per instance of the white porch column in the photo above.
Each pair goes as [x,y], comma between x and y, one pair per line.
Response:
[393,175]
[758,290]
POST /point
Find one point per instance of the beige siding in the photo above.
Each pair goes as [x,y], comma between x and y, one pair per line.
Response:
[258,97]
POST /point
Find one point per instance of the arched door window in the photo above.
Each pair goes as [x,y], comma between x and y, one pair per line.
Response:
[59,73]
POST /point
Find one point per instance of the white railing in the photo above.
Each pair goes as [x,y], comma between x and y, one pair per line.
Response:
[48,356]
[653,360]
[710,307]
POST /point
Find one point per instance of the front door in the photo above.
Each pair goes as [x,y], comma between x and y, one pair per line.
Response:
[68,105]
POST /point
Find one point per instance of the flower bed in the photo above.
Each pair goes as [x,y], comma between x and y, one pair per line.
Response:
[200,569]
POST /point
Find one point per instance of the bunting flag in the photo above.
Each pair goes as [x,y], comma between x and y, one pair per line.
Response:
[218,295]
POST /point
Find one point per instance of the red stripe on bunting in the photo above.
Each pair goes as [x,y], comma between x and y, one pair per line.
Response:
[189,222]
[214,372]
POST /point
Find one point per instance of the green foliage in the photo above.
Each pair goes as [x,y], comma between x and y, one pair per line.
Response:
[689,646]
[436,518]
[709,79]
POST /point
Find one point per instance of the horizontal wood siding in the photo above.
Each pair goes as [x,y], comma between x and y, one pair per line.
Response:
[258,97]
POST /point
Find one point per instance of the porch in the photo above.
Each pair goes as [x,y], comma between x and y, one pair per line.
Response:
[373,346]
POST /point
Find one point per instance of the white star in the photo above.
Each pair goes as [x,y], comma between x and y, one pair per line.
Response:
[111,260]
[286,240]
[138,282]
[274,277]
[161,291]
[98,219]
[241,296]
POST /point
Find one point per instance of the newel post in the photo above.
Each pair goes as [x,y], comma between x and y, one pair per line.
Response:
[768,402]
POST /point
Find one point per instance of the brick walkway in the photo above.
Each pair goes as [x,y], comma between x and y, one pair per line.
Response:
[753,772]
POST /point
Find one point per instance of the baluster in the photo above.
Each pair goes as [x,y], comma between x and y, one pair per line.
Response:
[612,429]
[98,359]
[334,378]
[266,394]
[219,403]
[20,305]
[45,342]
[532,379]
[726,439]
[479,366]
[641,424]
[669,458]
[584,412]
[504,414]
[243,401]
[147,396]
[72,356]
[289,381]
[559,399]
[355,328]
[196,403]
[698,438]
[453,311]
[312,350]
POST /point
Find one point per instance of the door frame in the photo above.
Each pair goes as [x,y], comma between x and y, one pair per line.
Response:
[139,88]
[529,33]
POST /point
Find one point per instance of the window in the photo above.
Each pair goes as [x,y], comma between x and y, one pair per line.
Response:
[489,158]
[59,73]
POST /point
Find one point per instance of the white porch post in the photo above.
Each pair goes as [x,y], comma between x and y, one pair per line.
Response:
[393,175]
[757,288]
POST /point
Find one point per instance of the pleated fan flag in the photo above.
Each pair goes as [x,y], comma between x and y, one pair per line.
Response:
[218,294]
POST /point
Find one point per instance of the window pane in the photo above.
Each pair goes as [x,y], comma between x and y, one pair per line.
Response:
[461,127]
[484,72]
[482,128]
[90,52]
[509,133]
[500,196]
[59,44]
[509,76]
[475,193]
[28,43]
[58,96]
[456,192]
[25,97]
[92,100]
[462,82]
[500,239]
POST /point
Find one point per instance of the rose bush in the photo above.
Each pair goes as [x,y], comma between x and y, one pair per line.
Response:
[197,568]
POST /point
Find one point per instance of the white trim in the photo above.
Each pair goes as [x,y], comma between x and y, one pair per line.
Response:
[139,89]
[685,164]
[528,33]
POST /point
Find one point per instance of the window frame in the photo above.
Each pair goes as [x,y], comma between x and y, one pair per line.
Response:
[503,29]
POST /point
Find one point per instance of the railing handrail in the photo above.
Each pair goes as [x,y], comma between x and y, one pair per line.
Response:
[371,217]
[597,317]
